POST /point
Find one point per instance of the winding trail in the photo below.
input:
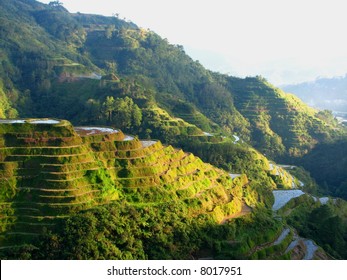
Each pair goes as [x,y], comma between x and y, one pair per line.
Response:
[279,240]
[244,211]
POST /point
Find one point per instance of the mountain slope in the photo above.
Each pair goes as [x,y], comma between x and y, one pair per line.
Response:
[52,173]
[281,123]
[93,192]
[62,50]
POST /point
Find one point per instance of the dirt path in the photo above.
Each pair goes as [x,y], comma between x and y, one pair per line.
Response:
[279,240]
[244,211]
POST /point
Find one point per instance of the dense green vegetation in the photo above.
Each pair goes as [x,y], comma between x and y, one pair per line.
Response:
[58,63]
[75,194]
[282,124]
[325,223]
[327,163]
[95,70]
[61,187]
[121,231]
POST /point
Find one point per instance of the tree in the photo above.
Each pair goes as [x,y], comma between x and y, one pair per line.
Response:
[55,4]
[109,31]
[108,107]
[122,112]
[136,116]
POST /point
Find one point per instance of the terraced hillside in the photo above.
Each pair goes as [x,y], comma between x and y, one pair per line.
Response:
[66,65]
[162,125]
[281,123]
[50,170]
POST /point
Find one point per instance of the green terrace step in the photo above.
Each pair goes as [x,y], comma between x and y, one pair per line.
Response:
[194,188]
[82,197]
[128,145]
[34,160]
[103,146]
[38,195]
[142,155]
[153,161]
[88,139]
[140,181]
[57,208]
[151,194]
[51,141]
[42,186]
[124,146]
[75,174]
[46,150]
[155,168]
[58,192]
[138,171]
[69,166]
[67,183]
[135,152]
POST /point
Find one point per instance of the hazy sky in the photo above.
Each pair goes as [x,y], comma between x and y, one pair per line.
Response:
[286,41]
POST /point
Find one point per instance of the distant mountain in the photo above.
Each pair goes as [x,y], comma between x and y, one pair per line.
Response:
[323,93]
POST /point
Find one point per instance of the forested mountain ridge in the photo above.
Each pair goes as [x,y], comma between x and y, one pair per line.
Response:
[95,70]
[280,121]
[48,51]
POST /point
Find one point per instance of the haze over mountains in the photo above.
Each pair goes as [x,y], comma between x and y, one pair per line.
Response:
[323,93]
[98,71]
